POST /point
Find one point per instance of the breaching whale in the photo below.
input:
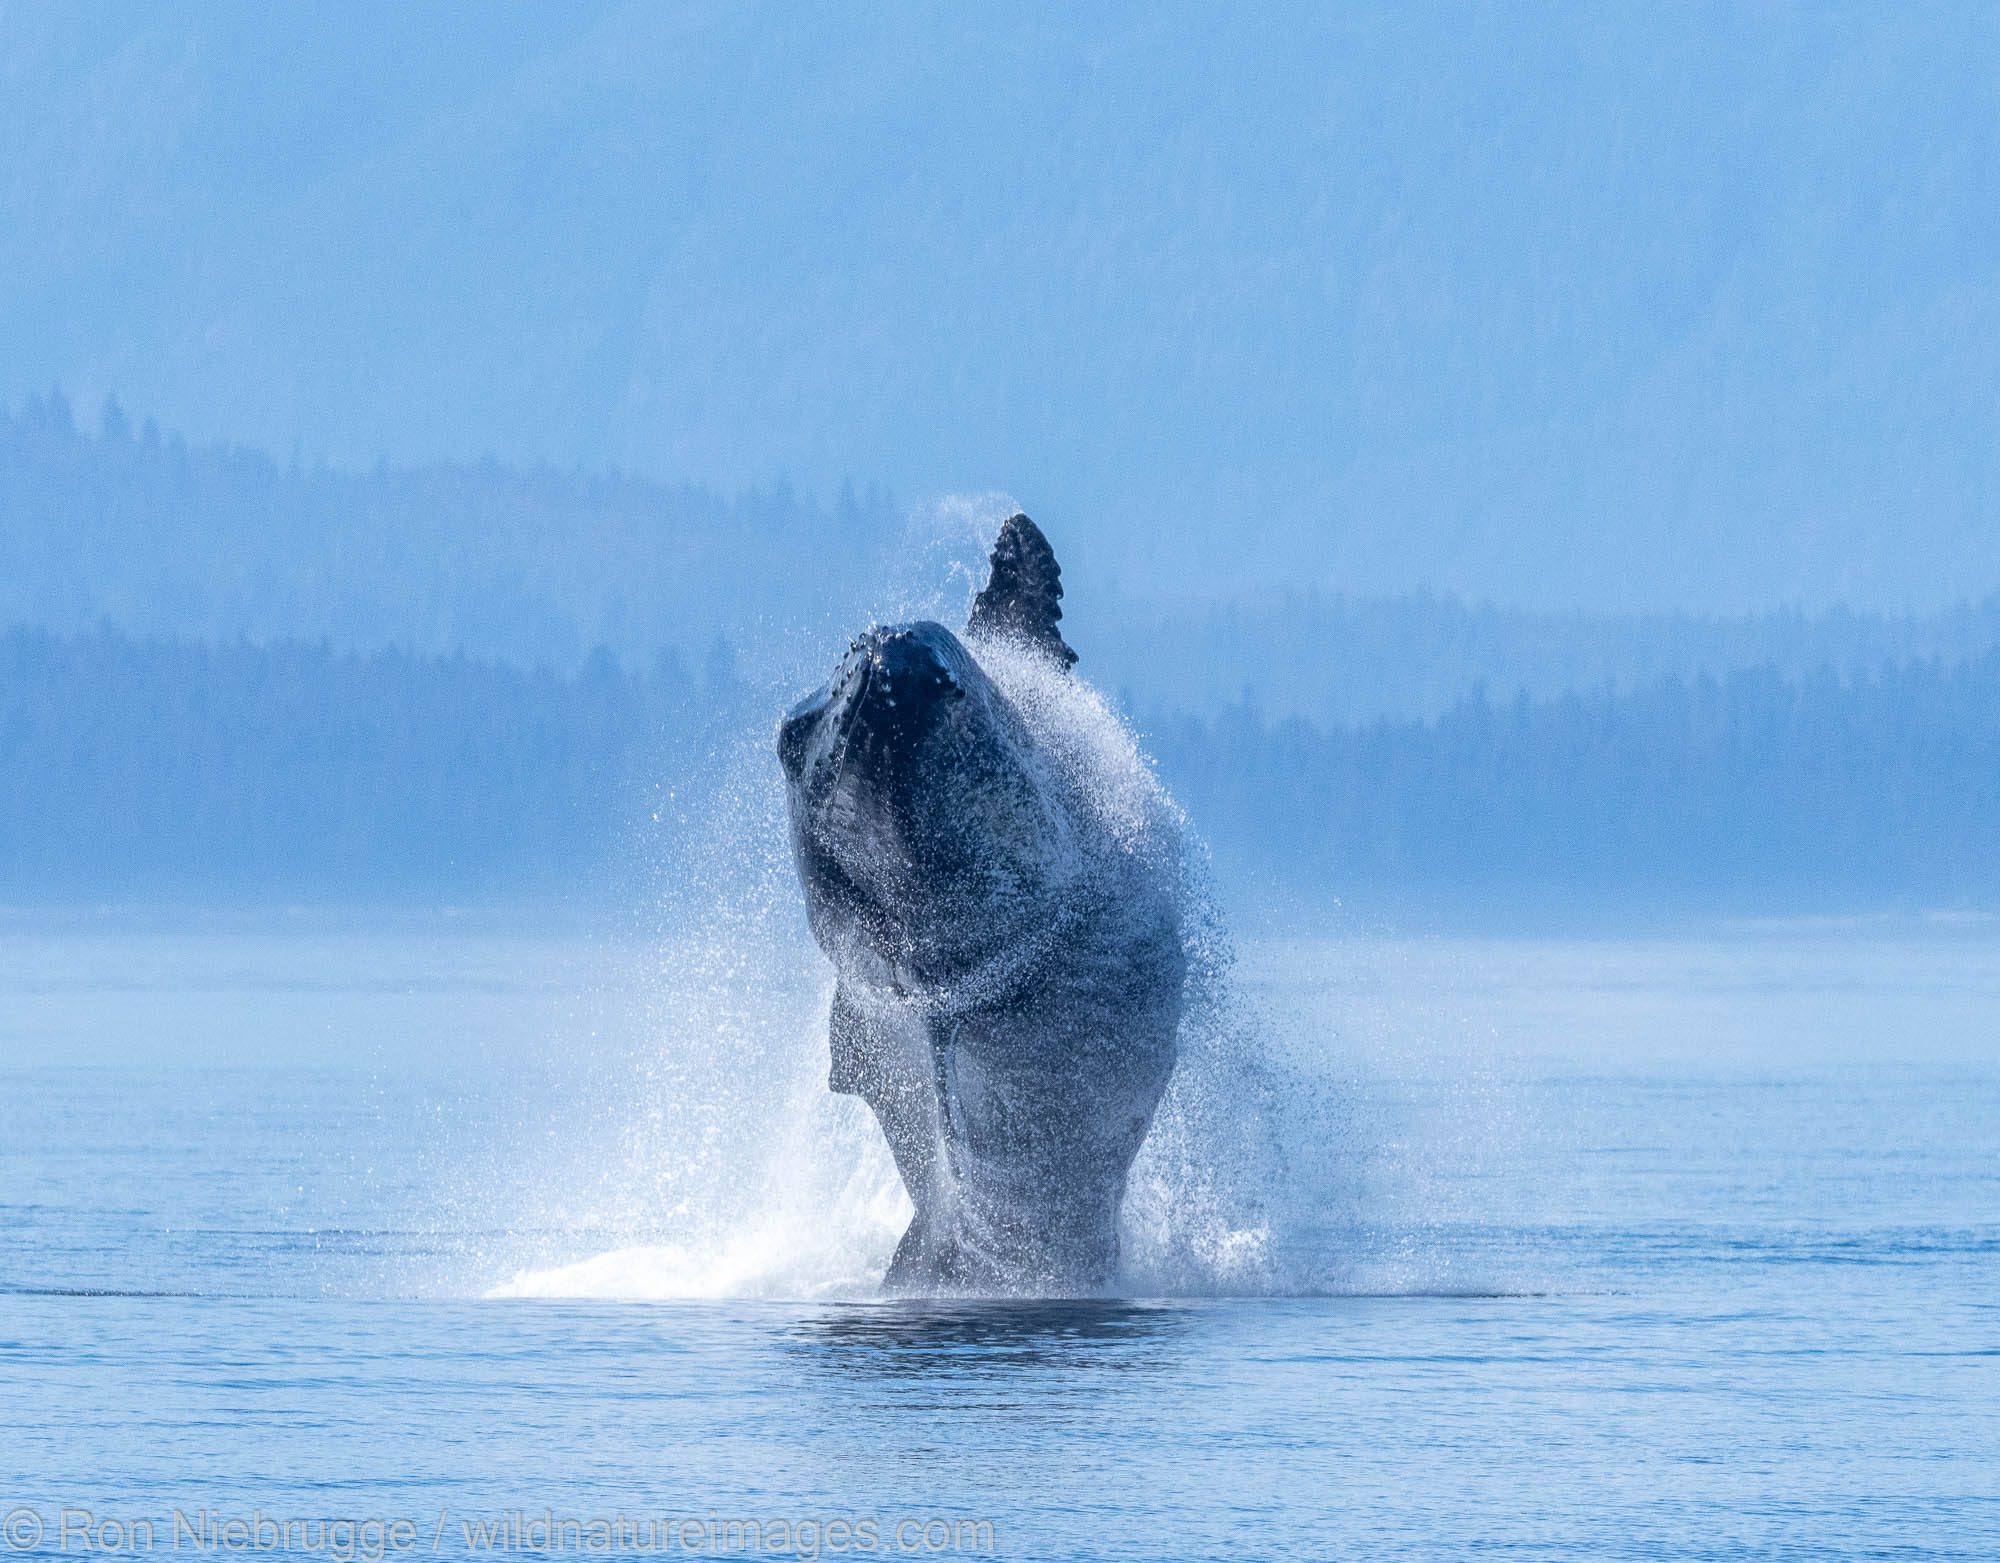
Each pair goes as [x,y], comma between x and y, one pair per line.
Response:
[999,892]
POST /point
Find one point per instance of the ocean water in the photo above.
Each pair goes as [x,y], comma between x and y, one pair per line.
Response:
[414,1239]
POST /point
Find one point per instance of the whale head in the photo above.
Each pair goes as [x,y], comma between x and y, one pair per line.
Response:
[925,827]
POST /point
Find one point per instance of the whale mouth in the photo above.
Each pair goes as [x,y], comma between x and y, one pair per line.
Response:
[877,708]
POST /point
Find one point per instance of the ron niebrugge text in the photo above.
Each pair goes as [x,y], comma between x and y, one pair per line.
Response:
[371,1540]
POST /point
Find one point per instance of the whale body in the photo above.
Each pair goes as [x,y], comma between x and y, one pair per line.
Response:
[998,887]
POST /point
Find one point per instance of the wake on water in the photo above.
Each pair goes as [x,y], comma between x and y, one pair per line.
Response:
[759,1182]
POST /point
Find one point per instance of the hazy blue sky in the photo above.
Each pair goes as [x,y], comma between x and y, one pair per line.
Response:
[1608,305]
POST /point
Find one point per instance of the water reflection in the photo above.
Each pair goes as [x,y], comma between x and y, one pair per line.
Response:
[958,1336]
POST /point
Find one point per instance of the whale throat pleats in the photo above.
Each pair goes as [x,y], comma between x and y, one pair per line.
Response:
[1023,596]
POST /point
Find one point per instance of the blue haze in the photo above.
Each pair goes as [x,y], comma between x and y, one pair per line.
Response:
[1513,466]
[428,439]
[231,678]
[168,770]
[104,522]
[1553,305]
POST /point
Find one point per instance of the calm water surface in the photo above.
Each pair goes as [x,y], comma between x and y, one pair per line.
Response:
[1680,1249]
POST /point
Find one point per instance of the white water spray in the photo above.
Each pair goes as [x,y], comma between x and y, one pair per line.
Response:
[753,1180]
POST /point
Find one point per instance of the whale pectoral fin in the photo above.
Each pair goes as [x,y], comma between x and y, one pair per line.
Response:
[1023,595]
[848,1046]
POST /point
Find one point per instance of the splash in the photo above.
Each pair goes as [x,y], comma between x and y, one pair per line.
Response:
[815,1214]
[745,1177]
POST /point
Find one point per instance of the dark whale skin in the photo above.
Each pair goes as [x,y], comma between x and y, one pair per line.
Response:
[1008,952]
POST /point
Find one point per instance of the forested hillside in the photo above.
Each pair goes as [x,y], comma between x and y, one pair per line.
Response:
[135,768]
[534,568]
[1339,660]
[524,565]
[1750,791]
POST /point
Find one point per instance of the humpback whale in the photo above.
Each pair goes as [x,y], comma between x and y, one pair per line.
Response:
[996,879]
